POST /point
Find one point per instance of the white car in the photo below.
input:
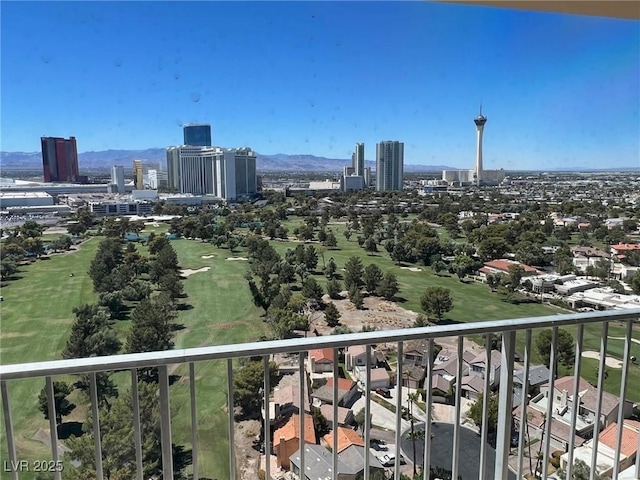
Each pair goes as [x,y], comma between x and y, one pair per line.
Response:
[389,460]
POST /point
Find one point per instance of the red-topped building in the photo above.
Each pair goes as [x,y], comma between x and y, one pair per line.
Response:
[60,159]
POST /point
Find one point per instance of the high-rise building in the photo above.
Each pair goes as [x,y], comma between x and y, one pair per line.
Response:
[117,177]
[224,172]
[197,134]
[389,165]
[480,120]
[138,175]
[357,160]
[60,159]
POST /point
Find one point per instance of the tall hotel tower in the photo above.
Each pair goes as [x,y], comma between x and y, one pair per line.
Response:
[357,160]
[480,120]
[197,134]
[389,165]
[59,159]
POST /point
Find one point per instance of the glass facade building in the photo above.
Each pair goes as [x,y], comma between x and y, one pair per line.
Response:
[197,135]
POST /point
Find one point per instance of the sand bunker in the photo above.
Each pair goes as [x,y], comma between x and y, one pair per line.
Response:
[609,361]
[207,256]
[188,271]
[413,269]
[237,258]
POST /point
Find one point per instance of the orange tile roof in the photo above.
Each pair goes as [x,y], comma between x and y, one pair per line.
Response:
[346,438]
[343,383]
[629,437]
[291,430]
[322,354]
[626,246]
[504,265]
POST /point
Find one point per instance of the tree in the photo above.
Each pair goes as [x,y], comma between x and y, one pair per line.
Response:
[331,242]
[247,382]
[61,390]
[475,413]
[353,273]
[92,334]
[320,424]
[108,257]
[118,445]
[312,290]
[635,283]
[515,275]
[355,296]
[565,351]
[331,268]
[438,266]
[388,286]
[493,280]
[332,315]
[372,277]
[580,471]
[436,301]
[333,289]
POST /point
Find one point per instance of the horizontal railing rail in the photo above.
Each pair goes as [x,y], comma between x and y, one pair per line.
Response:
[504,430]
[224,352]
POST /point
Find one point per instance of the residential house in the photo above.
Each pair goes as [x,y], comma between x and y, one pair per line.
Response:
[502,267]
[286,398]
[472,386]
[286,439]
[620,250]
[345,415]
[320,360]
[538,375]
[415,353]
[563,403]
[346,438]
[356,355]
[347,391]
[584,257]
[379,377]
[478,366]
[319,463]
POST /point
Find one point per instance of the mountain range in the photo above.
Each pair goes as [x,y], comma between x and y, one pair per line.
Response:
[266,163]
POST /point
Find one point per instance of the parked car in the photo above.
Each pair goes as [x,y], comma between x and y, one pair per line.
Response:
[383,392]
[378,445]
[389,460]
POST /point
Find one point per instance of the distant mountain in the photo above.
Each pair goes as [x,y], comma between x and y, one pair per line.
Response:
[266,163]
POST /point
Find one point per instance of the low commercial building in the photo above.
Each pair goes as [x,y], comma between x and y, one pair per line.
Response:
[24,199]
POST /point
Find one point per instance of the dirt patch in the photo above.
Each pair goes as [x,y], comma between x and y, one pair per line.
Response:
[238,258]
[6,335]
[609,361]
[411,269]
[247,433]
[189,271]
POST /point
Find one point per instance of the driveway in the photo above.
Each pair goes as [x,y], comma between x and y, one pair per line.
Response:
[380,416]
[442,451]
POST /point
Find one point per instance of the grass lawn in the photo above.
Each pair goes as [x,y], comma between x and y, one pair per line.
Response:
[35,328]
[37,315]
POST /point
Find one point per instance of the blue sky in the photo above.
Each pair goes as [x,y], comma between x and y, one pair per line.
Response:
[317,77]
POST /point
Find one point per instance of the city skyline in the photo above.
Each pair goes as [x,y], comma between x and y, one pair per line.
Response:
[560,89]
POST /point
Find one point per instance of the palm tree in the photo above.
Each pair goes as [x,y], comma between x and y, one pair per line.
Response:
[411,399]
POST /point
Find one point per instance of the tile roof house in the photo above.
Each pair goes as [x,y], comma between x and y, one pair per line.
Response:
[357,355]
[345,415]
[379,377]
[319,463]
[320,360]
[286,398]
[286,439]
[347,391]
[346,438]
[502,266]
[605,452]
[478,366]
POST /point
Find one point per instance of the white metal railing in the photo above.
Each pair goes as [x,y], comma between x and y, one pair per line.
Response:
[506,328]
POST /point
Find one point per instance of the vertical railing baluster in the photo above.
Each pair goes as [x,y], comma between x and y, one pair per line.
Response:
[137,429]
[230,408]
[194,420]
[623,395]
[601,370]
[301,410]
[367,412]
[505,403]
[576,399]
[456,424]
[335,416]
[165,423]
[95,413]
[524,403]
[553,364]
[485,409]
[426,462]
[267,419]
[398,409]
[8,426]
[53,428]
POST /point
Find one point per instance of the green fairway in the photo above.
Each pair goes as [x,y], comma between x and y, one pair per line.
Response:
[37,315]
